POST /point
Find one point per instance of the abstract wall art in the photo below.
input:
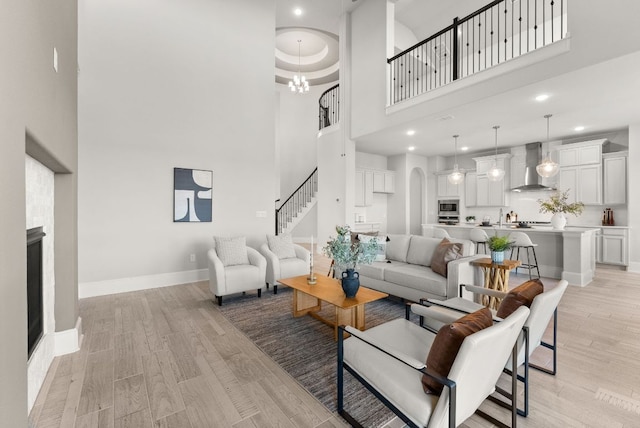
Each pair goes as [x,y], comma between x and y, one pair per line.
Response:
[192,195]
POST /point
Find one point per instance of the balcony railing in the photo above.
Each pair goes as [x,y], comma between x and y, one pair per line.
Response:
[329,113]
[500,31]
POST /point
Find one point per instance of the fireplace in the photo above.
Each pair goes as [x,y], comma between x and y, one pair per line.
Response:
[35,319]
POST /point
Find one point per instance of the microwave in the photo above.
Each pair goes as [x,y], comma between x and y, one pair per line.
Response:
[448,207]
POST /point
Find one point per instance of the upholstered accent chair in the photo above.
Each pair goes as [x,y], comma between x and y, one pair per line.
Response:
[284,259]
[234,267]
[389,360]
[543,308]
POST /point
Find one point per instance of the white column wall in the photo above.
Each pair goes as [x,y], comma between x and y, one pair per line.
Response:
[633,178]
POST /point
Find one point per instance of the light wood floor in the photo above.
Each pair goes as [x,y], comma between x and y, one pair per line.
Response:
[167,358]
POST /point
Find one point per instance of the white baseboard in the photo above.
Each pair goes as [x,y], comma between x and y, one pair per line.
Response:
[68,341]
[145,282]
[634,267]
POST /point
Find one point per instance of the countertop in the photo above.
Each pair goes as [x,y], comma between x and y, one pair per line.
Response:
[535,228]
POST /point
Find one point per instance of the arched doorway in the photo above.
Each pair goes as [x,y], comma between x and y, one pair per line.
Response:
[416,201]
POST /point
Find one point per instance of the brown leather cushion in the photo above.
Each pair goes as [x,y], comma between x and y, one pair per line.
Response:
[444,253]
[446,344]
[521,295]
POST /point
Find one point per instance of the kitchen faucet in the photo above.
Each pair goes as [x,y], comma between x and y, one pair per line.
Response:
[500,218]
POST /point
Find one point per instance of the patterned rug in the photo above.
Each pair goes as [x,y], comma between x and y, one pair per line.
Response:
[305,348]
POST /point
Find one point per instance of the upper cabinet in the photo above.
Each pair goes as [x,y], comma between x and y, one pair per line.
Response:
[370,181]
[446,189]
[581,171]
[471,189]
[615,178]
[492,193]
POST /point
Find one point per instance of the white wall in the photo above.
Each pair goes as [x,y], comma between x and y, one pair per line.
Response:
[399,203]
[167,84]
[633,178]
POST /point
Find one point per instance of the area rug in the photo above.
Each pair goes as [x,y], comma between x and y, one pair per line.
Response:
[304,347]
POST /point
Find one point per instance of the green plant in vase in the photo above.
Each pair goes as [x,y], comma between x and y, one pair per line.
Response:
[498,245]
[558,206]
[348,255]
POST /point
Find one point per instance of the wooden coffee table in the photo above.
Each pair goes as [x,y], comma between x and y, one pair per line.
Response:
[307,300]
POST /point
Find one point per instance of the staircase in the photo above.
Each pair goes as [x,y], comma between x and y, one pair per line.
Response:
[296,207]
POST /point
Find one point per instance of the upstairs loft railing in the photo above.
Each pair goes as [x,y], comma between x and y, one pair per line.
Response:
[329,113]
[296,202]
[500,31]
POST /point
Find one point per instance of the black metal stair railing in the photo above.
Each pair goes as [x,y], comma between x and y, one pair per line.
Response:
[498,32]
[296,202]
[329,113]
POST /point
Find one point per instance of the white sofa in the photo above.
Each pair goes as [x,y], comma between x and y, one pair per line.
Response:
[407,271]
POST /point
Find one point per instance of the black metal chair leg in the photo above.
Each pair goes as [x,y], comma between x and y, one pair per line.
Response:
[259,292]
[219,298]
[275,288]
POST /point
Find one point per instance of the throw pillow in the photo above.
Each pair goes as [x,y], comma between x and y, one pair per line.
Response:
[397,247]
[447,343]
[232,251]
[382,245]
[521,295]
[281,246]
[444,253]
[355,236]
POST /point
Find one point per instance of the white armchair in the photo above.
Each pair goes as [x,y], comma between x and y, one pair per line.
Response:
[293,261]
[235,268]
[389,360]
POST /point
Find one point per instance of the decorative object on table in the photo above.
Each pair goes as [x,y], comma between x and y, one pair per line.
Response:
[470,219]
[495,173]
[192,195]
[486,221]
[348,255]
[547,168]
[498,245]
[311,279]
[457,176]
[558,206]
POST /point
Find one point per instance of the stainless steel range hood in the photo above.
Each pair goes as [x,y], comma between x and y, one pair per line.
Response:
[532,181]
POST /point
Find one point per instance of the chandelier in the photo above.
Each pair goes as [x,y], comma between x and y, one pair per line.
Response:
[547,168]
[457,176]
[299,84]
[495,173]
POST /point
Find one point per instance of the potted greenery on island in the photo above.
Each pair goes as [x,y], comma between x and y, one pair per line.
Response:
[348,255]
[558,206]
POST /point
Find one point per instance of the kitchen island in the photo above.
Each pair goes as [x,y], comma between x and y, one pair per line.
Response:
[562,254]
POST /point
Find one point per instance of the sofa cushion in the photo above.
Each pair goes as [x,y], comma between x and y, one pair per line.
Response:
[397,247]
[445,346]
[521,295]
[232,251]
[281,246]
[375,270]
[381,254]
[444,253]
[421,250]
[417,277]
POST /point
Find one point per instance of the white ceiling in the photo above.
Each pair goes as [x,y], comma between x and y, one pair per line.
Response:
[601,98]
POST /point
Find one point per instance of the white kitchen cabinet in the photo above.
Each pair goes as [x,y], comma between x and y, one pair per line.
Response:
[584,183]
[586,152]
[384,181]
[615,178]
[446,189]
[614,244]
[471,189]
[492,193]
[363,188]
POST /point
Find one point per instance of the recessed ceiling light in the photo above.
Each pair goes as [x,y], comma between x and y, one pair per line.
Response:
[411,132]
[464,149]
[578,128]
[542,97]
[297,11]
[412,148]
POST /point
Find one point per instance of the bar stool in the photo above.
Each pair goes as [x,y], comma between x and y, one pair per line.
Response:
[522,240]
[479,236]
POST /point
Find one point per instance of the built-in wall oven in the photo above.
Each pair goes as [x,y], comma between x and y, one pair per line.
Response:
[449,211]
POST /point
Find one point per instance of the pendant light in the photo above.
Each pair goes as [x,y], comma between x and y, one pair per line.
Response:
[495,173]
[299,84]
[547,168]
[457,176]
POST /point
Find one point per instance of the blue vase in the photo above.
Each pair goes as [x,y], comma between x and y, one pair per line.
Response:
[497,256]
[350,282]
